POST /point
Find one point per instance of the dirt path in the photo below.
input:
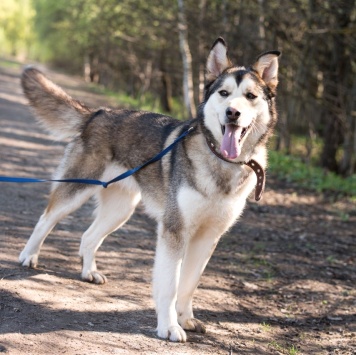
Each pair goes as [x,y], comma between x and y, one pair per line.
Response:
[281,281]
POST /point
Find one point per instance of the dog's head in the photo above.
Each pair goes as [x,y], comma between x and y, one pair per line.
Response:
[238,107]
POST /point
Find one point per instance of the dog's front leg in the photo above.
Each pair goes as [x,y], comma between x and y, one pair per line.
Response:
[169,253]
[197,254]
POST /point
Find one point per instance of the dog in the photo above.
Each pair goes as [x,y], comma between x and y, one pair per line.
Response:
[195,193]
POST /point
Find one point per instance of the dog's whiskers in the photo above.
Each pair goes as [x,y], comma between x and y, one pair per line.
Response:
[256,127]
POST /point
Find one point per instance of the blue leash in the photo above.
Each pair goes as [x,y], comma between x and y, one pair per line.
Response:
[98,182]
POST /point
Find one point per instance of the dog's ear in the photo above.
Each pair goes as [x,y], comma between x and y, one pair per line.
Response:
[217,60]
[266,66]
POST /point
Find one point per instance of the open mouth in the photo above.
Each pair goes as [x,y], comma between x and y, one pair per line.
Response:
[243,132]
[232,138]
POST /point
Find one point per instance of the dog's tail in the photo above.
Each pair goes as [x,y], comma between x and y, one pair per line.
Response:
[55,109]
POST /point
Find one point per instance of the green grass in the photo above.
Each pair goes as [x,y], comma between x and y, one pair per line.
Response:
[265,327]
[9,63]
[265,267]
[290,350]
[293,169]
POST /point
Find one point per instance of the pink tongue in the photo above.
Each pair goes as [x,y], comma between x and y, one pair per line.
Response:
[230,147]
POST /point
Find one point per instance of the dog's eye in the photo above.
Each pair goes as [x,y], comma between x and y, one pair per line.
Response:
[223,93]
[250,96]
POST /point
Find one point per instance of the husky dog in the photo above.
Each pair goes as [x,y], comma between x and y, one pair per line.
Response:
[195,193]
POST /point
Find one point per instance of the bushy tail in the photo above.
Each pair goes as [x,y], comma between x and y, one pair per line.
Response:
[55,109]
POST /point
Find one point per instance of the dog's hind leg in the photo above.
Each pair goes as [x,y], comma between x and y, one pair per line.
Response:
[64,200]
[115,206]
[197,254]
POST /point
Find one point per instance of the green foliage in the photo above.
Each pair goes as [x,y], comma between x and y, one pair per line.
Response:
[72,29]
[293,169]
[16,31]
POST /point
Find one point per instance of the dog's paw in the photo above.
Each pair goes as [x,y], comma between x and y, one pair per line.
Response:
[173,333]
[28,260]
[94,277]
[194,325]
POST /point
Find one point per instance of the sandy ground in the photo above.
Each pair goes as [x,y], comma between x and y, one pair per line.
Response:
[282,281]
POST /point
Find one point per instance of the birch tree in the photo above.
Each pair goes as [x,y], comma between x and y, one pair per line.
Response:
[188,90]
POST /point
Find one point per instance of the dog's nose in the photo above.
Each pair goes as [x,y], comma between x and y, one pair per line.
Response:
[232,114]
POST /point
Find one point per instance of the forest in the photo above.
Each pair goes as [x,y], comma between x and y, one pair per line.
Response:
[156,51]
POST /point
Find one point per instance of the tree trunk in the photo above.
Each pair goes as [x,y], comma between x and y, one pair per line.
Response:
[188,90]
[201,52]
[261,26]
[337,68]
[166,91]
[348,162]
[86,68]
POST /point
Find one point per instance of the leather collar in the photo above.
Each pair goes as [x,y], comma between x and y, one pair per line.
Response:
[256,167]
